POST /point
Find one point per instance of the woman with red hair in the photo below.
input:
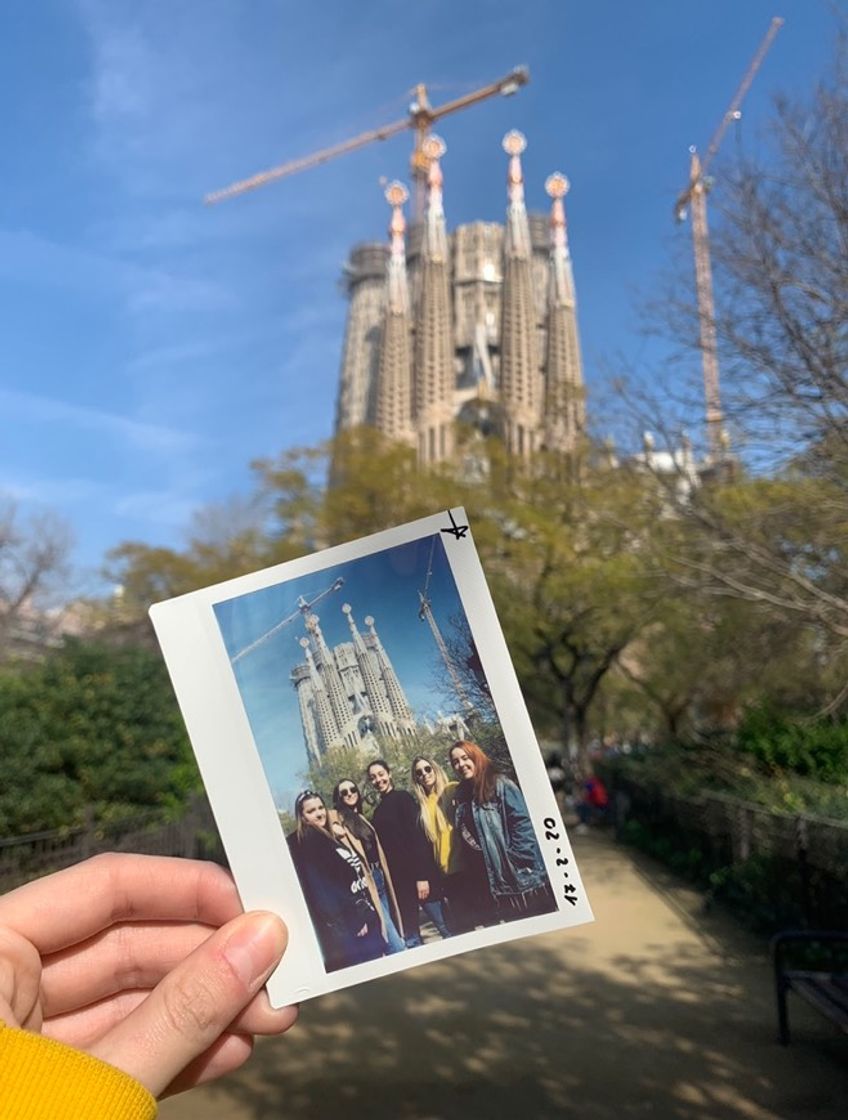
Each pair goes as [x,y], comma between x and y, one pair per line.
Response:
[497,835]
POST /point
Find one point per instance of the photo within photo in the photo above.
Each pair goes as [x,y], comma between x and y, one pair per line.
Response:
[380,742]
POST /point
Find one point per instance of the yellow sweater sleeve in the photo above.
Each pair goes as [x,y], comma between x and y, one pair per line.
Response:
[45,1080]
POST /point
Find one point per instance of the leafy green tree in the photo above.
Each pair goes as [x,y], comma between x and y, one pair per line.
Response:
[703,664]
[93,733]
[348,762]
[561,544]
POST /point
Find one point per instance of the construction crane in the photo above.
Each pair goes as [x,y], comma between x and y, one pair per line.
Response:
[304,606]
[421,117]
[694,195]
[425,614]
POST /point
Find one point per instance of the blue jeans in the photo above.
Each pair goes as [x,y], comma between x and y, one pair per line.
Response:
[433,909]
[394,942]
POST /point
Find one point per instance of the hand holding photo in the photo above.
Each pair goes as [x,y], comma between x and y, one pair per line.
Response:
[369,757]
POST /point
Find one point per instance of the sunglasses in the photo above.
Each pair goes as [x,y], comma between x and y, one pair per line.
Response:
[346,791]
[426,768]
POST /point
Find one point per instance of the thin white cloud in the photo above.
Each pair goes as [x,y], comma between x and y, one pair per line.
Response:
[150,438]
[28,258]
[158,507]
[121,90]
[51,492]
[169,293]
[167,357]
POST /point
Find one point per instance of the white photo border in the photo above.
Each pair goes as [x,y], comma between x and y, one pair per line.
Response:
[240,794]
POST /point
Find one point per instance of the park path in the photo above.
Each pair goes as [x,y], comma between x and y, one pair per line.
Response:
[653,1010]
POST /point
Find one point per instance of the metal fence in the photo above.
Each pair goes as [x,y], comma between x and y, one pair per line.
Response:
[193,835]
[804,856]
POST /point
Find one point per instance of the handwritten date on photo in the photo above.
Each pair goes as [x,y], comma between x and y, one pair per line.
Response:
[569,891]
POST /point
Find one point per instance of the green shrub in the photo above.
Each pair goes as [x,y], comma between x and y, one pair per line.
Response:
[93,734]
[764,893]
[812,749]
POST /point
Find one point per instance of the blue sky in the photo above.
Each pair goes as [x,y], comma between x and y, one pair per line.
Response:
[384,585]
[152,347]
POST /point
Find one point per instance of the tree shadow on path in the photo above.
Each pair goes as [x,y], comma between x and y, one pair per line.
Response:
[638,1018]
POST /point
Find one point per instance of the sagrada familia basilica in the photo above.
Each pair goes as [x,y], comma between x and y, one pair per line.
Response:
[478,326]
[349,692]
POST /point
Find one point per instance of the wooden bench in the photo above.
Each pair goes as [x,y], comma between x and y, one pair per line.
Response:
[823,985]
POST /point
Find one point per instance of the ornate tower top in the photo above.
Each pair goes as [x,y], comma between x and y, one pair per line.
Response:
[435,235]
[393,390]
[434,350]
[517,230]
[557,187]
[397,287]
[514,143]
[347,610]
[520,374]
[396,196]
[564,395]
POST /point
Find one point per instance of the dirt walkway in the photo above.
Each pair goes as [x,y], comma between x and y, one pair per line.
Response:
[649,1012]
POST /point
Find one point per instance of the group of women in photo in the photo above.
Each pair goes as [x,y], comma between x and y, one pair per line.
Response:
[460,849]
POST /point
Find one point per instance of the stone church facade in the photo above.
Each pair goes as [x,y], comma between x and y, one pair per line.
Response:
[478,326]
[348,693]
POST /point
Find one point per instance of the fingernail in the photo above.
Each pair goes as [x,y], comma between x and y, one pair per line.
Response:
[256,947]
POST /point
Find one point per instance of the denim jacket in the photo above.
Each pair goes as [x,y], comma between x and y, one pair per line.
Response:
[510,852]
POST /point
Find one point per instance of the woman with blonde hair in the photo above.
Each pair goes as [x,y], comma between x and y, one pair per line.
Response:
[497,835]
[435,793]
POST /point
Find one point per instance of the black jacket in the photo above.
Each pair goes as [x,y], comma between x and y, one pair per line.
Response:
[333,882]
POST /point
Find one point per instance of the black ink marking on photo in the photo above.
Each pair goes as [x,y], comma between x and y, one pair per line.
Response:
[569,891]
[455,530]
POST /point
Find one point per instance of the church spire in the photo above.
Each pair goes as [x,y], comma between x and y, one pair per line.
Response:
[434,356]
[328,670]
[374,690]
[520,377]
[394,689]
[329,729]
[393,413]
[564,404]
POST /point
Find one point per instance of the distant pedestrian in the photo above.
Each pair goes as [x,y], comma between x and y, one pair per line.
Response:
[594,804]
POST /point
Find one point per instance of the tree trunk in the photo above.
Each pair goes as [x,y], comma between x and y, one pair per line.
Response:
[581,727]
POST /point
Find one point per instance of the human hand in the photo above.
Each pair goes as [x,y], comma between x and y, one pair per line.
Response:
[145,962]
[363,931]
[423,890]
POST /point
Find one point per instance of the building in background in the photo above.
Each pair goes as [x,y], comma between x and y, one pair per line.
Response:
[349,693]
[478,326]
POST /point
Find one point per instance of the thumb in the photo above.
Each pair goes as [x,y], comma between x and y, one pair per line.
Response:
[194,1004]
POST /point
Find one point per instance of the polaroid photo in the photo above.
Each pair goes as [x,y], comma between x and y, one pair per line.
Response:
[369,757]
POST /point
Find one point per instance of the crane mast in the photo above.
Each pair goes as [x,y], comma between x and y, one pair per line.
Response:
[706,309]
[694,195]
[425,614]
